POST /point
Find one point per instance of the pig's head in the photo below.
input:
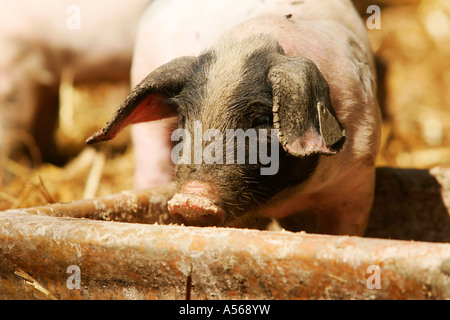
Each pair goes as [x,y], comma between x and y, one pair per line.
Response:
[249,85]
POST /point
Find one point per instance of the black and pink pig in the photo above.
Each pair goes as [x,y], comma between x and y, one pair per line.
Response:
[300,69]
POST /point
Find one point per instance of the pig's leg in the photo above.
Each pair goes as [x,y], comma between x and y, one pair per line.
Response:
[342,208]
[152,148]
[347,211]
[28,102]
[151,141]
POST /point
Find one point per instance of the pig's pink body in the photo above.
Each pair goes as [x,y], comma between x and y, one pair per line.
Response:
[39,40]
[328,32]
[106,33]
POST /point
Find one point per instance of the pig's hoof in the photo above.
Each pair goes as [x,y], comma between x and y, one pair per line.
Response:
[195,210]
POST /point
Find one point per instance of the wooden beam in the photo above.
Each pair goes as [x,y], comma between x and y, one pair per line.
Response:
[142,261]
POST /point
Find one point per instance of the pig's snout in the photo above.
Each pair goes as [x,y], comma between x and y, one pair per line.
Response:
[195,205]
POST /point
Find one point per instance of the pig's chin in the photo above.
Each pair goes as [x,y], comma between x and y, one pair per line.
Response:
[194,210]
[199,203]
[196,204]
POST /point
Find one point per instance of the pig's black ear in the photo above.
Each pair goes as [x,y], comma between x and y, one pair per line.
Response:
[302,110]
[148,100]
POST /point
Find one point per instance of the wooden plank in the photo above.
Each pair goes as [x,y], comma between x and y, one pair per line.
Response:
[139,261]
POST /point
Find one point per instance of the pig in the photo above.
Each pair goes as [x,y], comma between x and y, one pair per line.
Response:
[41,39]
[303,69]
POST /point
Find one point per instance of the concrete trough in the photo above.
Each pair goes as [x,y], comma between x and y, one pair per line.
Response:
[60,252]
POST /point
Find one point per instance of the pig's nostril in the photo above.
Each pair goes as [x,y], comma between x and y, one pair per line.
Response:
[195,210]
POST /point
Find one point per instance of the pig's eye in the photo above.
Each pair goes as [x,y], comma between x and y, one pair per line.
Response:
[263,120]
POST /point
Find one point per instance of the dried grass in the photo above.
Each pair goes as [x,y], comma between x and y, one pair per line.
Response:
[413,44]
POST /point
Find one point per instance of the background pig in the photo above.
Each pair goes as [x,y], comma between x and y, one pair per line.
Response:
[302,67]
[40,39]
